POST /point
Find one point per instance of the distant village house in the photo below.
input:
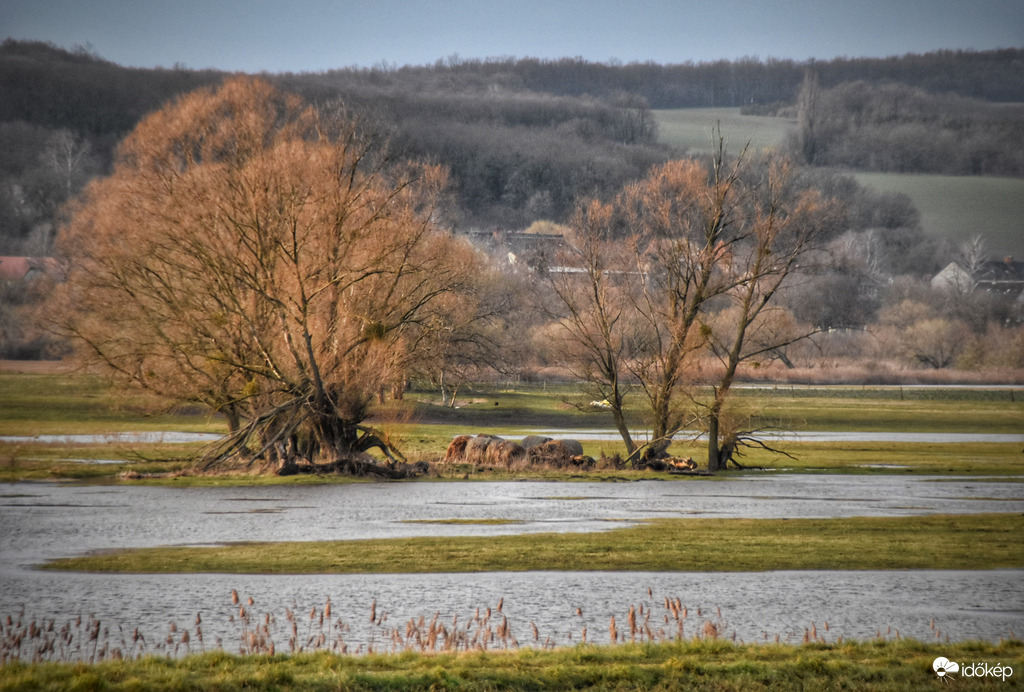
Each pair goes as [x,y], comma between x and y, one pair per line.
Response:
[1004,277]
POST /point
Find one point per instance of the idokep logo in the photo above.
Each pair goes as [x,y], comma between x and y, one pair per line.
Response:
[947,669]
[943,667]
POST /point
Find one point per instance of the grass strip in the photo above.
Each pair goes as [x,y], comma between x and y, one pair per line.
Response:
[697,665]
[981,541]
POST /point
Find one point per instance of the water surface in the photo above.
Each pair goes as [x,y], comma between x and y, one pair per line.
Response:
[42,521]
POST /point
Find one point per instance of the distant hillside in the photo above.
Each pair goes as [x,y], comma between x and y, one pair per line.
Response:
[49,87]
[524,139]
[990,75]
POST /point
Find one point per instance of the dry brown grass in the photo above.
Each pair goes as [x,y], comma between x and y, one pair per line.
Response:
[859,372]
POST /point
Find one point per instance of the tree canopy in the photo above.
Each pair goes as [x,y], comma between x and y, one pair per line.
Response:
[265,259]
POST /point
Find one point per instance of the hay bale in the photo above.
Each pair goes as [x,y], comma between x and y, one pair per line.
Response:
[505,453]
[457,449]
[551,453]
[534,440]
[573,446]
[476,448]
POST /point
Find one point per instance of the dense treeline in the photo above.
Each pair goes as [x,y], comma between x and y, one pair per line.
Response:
[79,91]
[898,128]
[514,157]
[990,75]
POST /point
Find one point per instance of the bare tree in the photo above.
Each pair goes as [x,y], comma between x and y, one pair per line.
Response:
[935,342]
[681,231]
[262,258]
[777,229]
[975,253]
[660,262]
[70,160]
[594,312]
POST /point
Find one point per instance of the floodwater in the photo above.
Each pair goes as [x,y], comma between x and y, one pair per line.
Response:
[42,521]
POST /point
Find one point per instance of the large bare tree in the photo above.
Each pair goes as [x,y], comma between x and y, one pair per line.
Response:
[777,225]
[659,266]
[263,258]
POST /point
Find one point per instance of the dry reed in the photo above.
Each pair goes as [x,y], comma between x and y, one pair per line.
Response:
[87,640]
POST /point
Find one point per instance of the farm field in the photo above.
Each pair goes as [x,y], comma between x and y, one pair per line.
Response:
[952,207]
[690,129]
[959,207]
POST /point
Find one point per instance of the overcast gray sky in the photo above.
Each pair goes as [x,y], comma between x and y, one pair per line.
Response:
[315,35]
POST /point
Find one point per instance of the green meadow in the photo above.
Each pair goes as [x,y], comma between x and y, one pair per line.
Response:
[62,403]
[958,208]
[982,541]
[893,665]
[952,207]
[692,130]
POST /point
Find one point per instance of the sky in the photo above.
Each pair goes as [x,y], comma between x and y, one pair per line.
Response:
[316,35]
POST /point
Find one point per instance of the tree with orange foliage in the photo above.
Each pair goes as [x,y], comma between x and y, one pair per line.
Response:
[265,259]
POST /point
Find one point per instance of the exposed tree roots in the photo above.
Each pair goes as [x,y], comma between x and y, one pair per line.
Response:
[361,466]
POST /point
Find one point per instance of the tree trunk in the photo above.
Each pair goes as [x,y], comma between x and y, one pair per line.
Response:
[620,424]
[234,420]
[715,461]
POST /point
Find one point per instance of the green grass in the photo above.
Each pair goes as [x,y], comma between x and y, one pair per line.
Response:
[695,665]
[839,408]
[952,207]
[690,129]
[983,541]
[80,404]
[69,404]
[959,207]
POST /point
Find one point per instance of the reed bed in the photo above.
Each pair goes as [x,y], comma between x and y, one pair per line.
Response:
[319,629]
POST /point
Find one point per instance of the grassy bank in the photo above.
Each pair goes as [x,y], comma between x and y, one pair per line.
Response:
[697,665]
[67,403]
[985,541]
[37,403]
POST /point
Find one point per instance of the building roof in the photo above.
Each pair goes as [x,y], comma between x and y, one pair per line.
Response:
[995,276]
[13,268]
[17,268]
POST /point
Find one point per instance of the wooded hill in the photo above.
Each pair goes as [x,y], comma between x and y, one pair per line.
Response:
[523,138]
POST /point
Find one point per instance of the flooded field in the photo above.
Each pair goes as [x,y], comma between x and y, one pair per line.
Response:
[43,521]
